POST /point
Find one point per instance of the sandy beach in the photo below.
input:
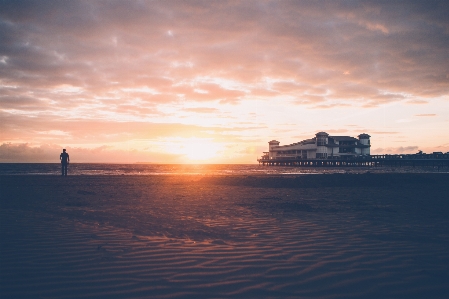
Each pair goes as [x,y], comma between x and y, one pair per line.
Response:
[181,236]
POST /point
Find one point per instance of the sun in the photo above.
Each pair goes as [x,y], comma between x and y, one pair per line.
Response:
[200,149]
[193,149]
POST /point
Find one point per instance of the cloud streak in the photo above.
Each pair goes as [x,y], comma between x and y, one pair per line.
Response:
[426,114]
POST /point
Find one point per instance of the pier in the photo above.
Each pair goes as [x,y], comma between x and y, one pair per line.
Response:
[438,160]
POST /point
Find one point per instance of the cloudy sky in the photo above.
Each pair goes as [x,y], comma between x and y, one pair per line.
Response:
[214,81]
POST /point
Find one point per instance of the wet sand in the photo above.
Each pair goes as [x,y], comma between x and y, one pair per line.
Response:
[306,236]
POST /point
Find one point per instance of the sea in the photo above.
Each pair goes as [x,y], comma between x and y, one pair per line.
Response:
[191,169]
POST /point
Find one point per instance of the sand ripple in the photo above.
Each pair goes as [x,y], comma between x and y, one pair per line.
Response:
[152,237]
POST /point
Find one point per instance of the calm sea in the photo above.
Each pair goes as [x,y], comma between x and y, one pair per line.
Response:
[187,169]
[155,169]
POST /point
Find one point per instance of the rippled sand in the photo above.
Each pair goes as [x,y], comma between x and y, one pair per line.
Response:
[309,236]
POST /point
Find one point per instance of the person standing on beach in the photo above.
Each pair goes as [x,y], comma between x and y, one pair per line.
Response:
[65,159]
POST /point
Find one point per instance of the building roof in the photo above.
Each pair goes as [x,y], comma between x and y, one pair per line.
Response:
[313,140]
[343,138]
[307,141]
[364,136]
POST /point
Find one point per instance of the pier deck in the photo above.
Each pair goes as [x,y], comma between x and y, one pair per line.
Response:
[435,160]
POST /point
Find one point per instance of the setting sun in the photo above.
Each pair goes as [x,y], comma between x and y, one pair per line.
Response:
[199,151]
[195,149]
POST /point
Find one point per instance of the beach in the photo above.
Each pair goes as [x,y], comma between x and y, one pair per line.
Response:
[202,236]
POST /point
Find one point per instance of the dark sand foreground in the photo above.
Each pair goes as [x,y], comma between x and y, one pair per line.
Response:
[311,236]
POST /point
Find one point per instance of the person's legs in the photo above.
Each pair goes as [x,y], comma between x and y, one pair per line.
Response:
[63,169]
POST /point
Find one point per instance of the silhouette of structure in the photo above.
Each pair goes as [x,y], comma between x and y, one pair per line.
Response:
[65,159]
[322,146]
[336,151]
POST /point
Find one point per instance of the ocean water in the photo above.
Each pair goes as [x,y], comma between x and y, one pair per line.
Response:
[191,169]
[150,169]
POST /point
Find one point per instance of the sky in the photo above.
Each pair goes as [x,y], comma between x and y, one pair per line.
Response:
[214,81]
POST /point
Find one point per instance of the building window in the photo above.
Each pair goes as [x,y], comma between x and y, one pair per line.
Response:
[345,150]
[321,141]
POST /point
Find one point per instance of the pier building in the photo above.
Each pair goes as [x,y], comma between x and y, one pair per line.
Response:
[322,146]
[324,150]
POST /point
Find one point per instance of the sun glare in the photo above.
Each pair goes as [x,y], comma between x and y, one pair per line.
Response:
[200,150]
[194,149]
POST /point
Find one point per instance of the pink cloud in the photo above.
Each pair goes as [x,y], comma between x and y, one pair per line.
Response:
[201,110]
[396,150]
[426,114]
[25,153]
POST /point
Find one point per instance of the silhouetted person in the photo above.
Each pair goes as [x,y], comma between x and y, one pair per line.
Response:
[64,157]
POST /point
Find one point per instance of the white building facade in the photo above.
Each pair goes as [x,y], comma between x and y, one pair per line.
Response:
[322,146]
